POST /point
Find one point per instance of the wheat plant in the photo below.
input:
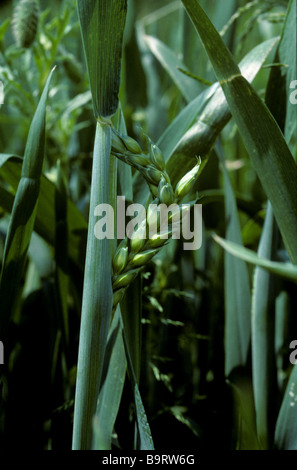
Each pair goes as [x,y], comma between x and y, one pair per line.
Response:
[124,339]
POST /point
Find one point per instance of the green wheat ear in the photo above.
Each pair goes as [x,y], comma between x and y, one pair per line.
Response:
[25,22]
[131,256]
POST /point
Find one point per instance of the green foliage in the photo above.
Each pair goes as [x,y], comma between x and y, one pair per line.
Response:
[23,214]
[139,344]
[102,26]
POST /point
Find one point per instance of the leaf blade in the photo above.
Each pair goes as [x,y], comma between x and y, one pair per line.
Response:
[111,391]
[263,300]
[260,133]
[180,142]
[23,213]
[286,270]
[237,289]
[97,301]
[102,26]
[187,86]
[286,425]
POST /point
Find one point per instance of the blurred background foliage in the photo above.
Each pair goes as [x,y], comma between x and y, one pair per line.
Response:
[188,401]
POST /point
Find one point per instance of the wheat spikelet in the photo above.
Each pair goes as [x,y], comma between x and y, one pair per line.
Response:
[25,22]
[135,252]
